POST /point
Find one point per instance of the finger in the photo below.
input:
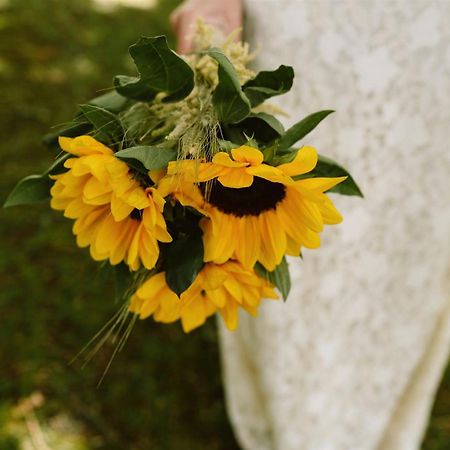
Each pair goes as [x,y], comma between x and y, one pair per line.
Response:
[184,34]
[174,19]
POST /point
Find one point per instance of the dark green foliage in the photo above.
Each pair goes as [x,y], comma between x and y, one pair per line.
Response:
[300,130]
[160,70]
[163,391]
[326,167]
[35,188]
[152,157]
[230,102]
[75,128]
[262,126]
[29,190]
[107,126]
[112,101]
[184,260]
[280,277]
[86,119]
[268,84]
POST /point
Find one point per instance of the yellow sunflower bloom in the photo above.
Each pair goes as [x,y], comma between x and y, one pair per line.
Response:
[115,216]
[222,288]
[254,211]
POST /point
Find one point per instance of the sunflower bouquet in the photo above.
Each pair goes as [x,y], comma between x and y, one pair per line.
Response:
[184,181]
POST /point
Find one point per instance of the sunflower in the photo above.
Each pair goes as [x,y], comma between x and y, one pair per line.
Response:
[115,215]
[222,288]
[254,211]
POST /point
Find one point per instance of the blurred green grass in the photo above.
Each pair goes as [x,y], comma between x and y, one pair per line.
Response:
[164,390]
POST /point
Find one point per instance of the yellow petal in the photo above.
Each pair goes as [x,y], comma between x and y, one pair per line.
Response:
[136,197]
[270,173]
[83,145]
[186,167]
[304,210]
[193,315]
[77,208]
[293,248]
[320,184]
[219,237]
[208,171]
[212,277]
[218,297]
[304,161]
[289,219]
[171,303]
[149,250]
[158,200]
[135,304]
[233,288]
[269,292]
[330,214]
[275,235]
[223,159]
[132,258]
[169,310]
[108,235]
[310,239]
[229,314]
[249,232]
[149,306]
[157,175]
[247,154]
[119,209]
[252,310]
[152,285]
[94,189]
[118,253]
[88,220]
[97,256]
[236,178]
[251,296]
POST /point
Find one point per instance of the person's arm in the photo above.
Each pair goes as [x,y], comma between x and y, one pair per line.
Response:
[226,15]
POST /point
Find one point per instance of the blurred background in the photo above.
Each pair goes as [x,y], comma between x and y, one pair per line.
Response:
[163,391]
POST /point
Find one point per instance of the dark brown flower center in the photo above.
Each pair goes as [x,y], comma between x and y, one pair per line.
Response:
[261,196]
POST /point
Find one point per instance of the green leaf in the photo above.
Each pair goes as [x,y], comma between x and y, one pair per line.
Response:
[262,126]
[35,188]
[160,70]
[184,260]
[268,84]
[29,190]
[233,134]
[226,146]
[230,102]
[152,157]
[106,124]
[301,129]
[78,127]
[326,167]
[58,166]
[280,277]
[111,101]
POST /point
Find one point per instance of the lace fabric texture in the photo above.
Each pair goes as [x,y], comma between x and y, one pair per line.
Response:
[353,359]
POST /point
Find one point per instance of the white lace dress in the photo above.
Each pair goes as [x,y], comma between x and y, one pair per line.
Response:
[353,359]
